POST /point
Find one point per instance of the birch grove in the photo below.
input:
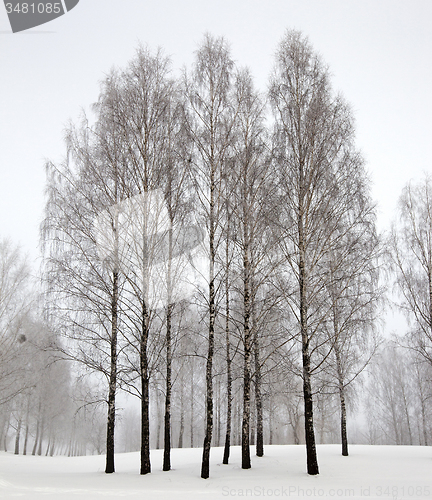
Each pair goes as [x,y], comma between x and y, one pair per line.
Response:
[211,257]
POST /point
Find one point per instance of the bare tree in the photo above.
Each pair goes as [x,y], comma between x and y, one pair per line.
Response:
[82,275]
[411,256]
[422,377]
[392,396]
[156,234]
[228,349]
[15,302]
[182,237]
[410,252]
[318,178]
[210,120]
[354,296]
[252,195]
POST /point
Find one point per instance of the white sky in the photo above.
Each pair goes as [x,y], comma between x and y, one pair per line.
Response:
[379,51]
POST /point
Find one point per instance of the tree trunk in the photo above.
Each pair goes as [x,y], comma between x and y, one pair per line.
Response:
[39,450]
[312,462]
[192,408]
[271,420]
[159,423]
[228,361]
[26,438]
[238,421]
[246,461]
[2,424]
[258,398]
[5,438]
[17,438]
[167,421]
[52,450]
[408,420]
[109,466]
[145,414]
[311,459]
[344,436]
[423,412]
[252,413]
[36,438]
[182,413]
[205,467]
[295,432]
[311,456]
[218,413]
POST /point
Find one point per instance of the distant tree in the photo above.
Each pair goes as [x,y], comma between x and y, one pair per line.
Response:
[411,258]
[422,374]
[393,396]
[51,387]
[42,403]
[15,302]
[410,253]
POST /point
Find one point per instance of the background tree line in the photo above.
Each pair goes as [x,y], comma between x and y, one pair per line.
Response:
[212,251]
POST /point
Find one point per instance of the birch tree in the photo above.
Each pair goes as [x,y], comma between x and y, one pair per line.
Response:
[411,257]
[83,284]
[354,295]
[392,395]
[354,345]
[252,193]
[210,122]
[317,174]
[15,303]
[149,118]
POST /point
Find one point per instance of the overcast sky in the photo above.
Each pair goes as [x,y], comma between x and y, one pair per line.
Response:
[379,53]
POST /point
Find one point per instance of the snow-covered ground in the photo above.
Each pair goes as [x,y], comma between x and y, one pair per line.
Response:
[383,472]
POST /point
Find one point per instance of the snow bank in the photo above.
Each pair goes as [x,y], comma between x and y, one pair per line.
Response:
[374,472]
